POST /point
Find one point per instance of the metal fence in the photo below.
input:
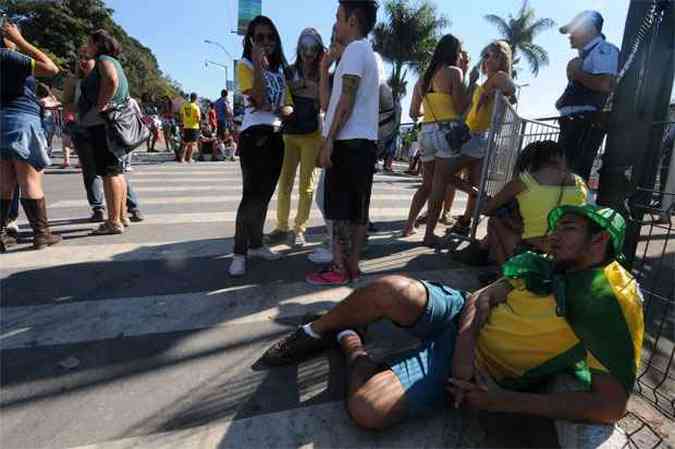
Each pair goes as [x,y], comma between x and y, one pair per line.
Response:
[654,268]
[509,135]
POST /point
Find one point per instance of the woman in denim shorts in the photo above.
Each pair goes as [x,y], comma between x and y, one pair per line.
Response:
[439,97]
[496,66]
[23,146]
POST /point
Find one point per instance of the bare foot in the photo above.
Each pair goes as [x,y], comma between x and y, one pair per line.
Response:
[408,231]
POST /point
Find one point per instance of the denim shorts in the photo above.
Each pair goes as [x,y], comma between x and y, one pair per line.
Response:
[477,146]
[424,371]
[23,139]
[433,143]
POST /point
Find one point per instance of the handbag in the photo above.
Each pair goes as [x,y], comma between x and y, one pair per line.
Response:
[456,132]
[125,126]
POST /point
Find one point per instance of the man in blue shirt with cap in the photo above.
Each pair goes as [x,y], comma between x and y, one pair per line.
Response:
[591,79]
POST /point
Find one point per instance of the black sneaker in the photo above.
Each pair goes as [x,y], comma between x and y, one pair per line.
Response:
[97,216]
[296,347]
[277,236]
[136,215]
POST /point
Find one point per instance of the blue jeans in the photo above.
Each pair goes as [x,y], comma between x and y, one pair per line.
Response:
[93,184]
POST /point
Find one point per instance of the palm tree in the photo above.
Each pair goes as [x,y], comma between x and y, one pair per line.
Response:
[519,32]
[407,38]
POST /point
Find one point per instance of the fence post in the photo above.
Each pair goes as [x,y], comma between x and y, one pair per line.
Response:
[641,99]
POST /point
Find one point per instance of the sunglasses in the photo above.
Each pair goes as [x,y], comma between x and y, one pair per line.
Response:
[262,37]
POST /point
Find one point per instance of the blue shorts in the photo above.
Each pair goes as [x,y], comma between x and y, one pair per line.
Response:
[424,372]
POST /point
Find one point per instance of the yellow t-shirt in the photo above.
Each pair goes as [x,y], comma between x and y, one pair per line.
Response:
[479,121]
[601,331]
[525,340]
[538,200]
[438,107]
[190,115]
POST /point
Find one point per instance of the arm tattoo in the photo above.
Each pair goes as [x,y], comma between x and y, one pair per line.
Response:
[350,85]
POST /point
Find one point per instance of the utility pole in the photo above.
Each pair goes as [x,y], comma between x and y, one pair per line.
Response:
[641,101]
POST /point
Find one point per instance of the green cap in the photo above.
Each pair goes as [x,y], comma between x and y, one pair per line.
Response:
[608,219]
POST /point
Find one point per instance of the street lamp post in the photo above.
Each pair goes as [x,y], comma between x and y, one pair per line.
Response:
[222,47]
[207,62]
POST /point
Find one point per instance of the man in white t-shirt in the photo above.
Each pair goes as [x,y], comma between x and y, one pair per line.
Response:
[349,151]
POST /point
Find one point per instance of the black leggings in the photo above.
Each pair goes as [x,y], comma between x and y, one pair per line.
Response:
[261,155]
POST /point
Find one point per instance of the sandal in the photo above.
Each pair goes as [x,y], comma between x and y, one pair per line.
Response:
[409,233]
[108,228]
[461,227]
[473,255]
[422,219]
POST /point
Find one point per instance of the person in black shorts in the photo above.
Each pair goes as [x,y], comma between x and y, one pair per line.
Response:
[190,116]
[349,150]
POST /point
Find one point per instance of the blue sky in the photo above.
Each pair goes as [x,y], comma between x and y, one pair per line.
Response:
[175,30]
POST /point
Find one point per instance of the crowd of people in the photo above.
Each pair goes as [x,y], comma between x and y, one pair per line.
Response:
[325,115]
[517,332]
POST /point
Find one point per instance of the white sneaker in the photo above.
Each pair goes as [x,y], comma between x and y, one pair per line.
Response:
[264,253]
[12,228]
[321,256]
[296,240]
[238,266]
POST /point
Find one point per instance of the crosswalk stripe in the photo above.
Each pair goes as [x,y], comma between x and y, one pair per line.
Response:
[218,199]
[236,173]
[307,427]
[231,216]
[218,180]
[177,253]
[47,325]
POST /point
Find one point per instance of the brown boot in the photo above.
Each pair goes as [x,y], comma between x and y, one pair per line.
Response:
[6,240]
[36,211]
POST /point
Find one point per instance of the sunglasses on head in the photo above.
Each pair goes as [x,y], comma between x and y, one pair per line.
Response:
[262,37]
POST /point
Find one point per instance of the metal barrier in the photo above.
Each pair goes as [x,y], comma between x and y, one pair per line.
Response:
[653,217]
[509,134]
[654,268]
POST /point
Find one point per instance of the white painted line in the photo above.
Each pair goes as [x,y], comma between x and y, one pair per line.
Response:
[308,427]
[204,199]
[176,253]
[235,180]
[86,321]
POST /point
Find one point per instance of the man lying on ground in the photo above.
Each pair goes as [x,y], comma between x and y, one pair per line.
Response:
[578,313]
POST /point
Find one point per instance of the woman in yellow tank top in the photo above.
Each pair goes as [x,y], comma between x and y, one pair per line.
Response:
[542,182]
[439,98]
[496,66]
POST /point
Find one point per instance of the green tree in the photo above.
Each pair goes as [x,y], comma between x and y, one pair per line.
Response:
[407,38]
[520,32]
[61,27]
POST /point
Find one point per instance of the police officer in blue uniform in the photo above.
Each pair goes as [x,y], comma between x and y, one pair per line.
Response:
[591,79]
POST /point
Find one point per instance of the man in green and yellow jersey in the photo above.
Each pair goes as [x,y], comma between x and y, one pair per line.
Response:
[577,313]
[190,117]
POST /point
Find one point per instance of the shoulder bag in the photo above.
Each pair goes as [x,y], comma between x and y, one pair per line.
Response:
[125,126]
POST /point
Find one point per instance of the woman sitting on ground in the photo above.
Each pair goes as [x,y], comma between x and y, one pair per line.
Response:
[542,181]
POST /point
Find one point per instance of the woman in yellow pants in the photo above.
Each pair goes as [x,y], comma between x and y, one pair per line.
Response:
[302,137]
